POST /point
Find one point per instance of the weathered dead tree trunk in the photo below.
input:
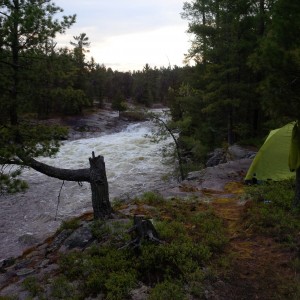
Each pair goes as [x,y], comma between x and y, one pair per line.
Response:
[99,187]
[95,175]
[142,229]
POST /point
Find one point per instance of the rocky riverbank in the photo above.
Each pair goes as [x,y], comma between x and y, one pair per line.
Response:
[93,123]
[222,167]
[27,218]
[41,260]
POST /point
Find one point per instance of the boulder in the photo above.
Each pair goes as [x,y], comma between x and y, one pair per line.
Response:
[80,238]
[232,153]
[218,156]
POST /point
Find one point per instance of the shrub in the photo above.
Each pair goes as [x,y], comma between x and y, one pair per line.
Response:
[152,198]
[271,211]
[95,268]
[69,224]
[119,284]
[191,235]
[61,288]
[167,290]
[31,284]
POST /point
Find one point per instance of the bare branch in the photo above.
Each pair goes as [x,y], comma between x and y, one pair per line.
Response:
[58,199]
[82,175]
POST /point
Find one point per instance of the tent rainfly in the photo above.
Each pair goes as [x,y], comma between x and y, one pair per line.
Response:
[272,161]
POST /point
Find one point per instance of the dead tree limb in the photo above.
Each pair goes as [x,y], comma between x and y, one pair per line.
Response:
[95,175]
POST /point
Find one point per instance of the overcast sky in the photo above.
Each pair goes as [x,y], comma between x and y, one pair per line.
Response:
[127,34]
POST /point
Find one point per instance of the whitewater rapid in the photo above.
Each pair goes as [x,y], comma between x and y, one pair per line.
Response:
[133,165]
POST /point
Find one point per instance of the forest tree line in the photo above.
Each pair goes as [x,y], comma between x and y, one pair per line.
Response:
[247,77]
[61,81]
[245,80]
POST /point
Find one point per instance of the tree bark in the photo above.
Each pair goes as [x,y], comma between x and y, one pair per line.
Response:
[15,49]
[95,175]
[99,186]
[79,175]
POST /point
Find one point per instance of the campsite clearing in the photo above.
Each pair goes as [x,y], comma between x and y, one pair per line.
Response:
[261,266]
[263,254]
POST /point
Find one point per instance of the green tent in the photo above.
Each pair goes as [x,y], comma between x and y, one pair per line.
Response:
[272,160]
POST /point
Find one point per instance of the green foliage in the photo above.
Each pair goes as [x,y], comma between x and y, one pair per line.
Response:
[174,260]
[31,284]
[167,290]
[177,268]
[196,282]
[25,140]
[166,129]
[272,213]
[246,66]
[101,269]
[119,285]
[33,139]
[118,102]
[191,240]
[117,203]
[210,230]
[69,224]
[277,57]
[61,288]
[69,100]
[193,237]
[10,184]
[26,28]
[170,230]
[152,198]
[113,232]
[98,229]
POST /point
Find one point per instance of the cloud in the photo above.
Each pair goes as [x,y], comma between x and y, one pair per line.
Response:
[157,48]
[127,34]
[124,16]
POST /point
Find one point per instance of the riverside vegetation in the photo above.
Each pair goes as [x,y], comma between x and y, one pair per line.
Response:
[217,249]
[245,81]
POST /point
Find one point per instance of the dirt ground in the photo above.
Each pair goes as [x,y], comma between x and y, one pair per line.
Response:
[258,263]
[259,266]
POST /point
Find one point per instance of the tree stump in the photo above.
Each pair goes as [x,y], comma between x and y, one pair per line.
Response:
[99,186]
[142,229]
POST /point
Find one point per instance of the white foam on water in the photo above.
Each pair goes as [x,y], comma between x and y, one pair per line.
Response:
[133,165]
[131,159]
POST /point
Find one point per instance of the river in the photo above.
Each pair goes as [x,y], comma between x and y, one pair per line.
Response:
[133,166]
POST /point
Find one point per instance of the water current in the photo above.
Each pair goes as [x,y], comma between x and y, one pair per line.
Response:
[133,165]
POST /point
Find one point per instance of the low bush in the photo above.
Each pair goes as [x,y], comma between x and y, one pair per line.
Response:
[271,211]
[31,284]
[69,224]
[192,236]
[168,290]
